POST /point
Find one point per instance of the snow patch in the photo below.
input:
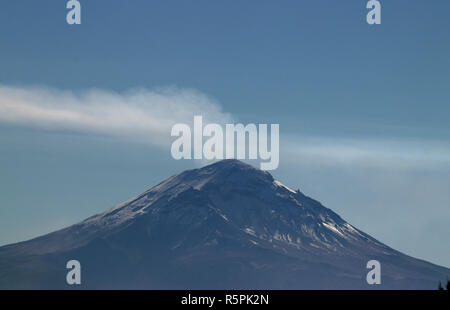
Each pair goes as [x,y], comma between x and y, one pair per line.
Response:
[279,184]
[332,228]
[250,231]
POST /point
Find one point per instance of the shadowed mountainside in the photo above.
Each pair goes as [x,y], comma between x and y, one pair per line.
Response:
[225,226]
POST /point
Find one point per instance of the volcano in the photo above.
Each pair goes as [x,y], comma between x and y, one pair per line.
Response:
[224,226]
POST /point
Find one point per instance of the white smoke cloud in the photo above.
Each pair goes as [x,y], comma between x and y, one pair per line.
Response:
[148,115]
[141,114]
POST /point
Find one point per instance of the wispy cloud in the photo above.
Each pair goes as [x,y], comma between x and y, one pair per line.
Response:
[370,152]
[141,114]
[147,116]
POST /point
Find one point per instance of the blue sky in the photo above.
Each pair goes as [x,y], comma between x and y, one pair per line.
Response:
[363,110]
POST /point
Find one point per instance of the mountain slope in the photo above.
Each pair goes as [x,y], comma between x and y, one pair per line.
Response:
[225,226]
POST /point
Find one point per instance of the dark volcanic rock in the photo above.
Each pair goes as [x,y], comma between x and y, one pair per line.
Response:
[225,226]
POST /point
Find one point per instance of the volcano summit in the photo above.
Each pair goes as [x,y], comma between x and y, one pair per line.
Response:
[225,226]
